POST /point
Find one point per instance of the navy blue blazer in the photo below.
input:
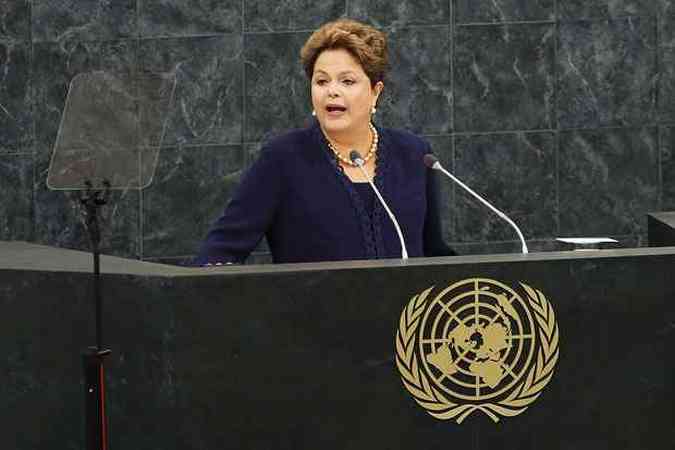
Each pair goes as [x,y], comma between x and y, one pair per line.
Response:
[297,196]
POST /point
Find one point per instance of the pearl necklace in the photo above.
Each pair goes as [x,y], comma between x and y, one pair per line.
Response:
[371,151]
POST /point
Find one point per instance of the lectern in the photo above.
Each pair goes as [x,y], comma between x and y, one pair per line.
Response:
[560,350]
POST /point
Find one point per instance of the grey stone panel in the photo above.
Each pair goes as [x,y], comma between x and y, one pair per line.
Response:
[383,13]
[54,66]
[594,9]
[261,254]
[59,219]
[543,245]
[668,168]
[207,107]
[16,186]
[289,15]
[666,93]
[89,20]
[607,73]
[16,120]
[443,149]
[502,247]
[418,91]
[277,90]
[666,16]
[609,180]
[633,241]
[15,20]
[191,188]
[57,214]
[666,56]
[517,174]
[468,11]
[176,18]
[504,77]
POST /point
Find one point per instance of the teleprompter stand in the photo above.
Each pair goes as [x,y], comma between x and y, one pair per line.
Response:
[109,139]
[96,420]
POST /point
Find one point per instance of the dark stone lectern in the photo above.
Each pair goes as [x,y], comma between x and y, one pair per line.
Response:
[661,229]
[306,356]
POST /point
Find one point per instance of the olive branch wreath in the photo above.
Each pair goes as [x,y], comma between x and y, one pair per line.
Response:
[437,404]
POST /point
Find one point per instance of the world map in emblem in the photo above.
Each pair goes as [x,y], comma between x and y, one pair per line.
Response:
[479,345]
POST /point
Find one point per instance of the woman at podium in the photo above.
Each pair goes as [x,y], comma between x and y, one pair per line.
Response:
[309,192]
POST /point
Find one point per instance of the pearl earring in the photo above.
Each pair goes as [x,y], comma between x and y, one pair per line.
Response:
[314,113]
[373,111]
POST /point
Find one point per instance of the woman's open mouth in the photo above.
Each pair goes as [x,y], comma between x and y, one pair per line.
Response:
[335,110]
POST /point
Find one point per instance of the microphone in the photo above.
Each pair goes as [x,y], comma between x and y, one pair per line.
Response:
[356,159]
[432,162]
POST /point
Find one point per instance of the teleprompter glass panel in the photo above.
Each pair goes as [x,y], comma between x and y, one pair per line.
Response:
[111,130]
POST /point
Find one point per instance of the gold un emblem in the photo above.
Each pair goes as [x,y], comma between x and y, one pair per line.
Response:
[477,346]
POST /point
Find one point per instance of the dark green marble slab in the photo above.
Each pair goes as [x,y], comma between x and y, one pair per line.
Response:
[277,91]
[443,148]
[607,73]
[265,16]
[468,11]
[666,86]
[666,56]
[514,172]
[58,218]
[57,214]
[504,247]
[207,107]
[53,68]
[666,17]
[661,229]
[15,20]
[16,120]
[504,77]
[418,91]
[191,188]
[593,9]
[261,254]
[16,192]
[88,20]
[382,13]
[173,18]
[609,180]
[668,168]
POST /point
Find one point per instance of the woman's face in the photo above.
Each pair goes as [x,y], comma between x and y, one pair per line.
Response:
[342,95]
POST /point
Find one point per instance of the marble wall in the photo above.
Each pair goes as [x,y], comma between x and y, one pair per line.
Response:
[558,111]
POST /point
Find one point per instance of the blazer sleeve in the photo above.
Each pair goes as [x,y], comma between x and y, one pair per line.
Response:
[248,215]
[434,244]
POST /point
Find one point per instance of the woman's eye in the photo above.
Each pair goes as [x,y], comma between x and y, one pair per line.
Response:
[321,82]
[348,82]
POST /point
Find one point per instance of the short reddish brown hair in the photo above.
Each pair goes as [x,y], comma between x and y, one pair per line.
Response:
[367,44]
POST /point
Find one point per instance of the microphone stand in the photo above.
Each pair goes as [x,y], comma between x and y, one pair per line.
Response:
[356,159]
[433,163]
[96,422]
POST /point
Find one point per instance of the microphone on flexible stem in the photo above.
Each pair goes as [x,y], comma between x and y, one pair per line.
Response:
[432,162]
[355,157]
